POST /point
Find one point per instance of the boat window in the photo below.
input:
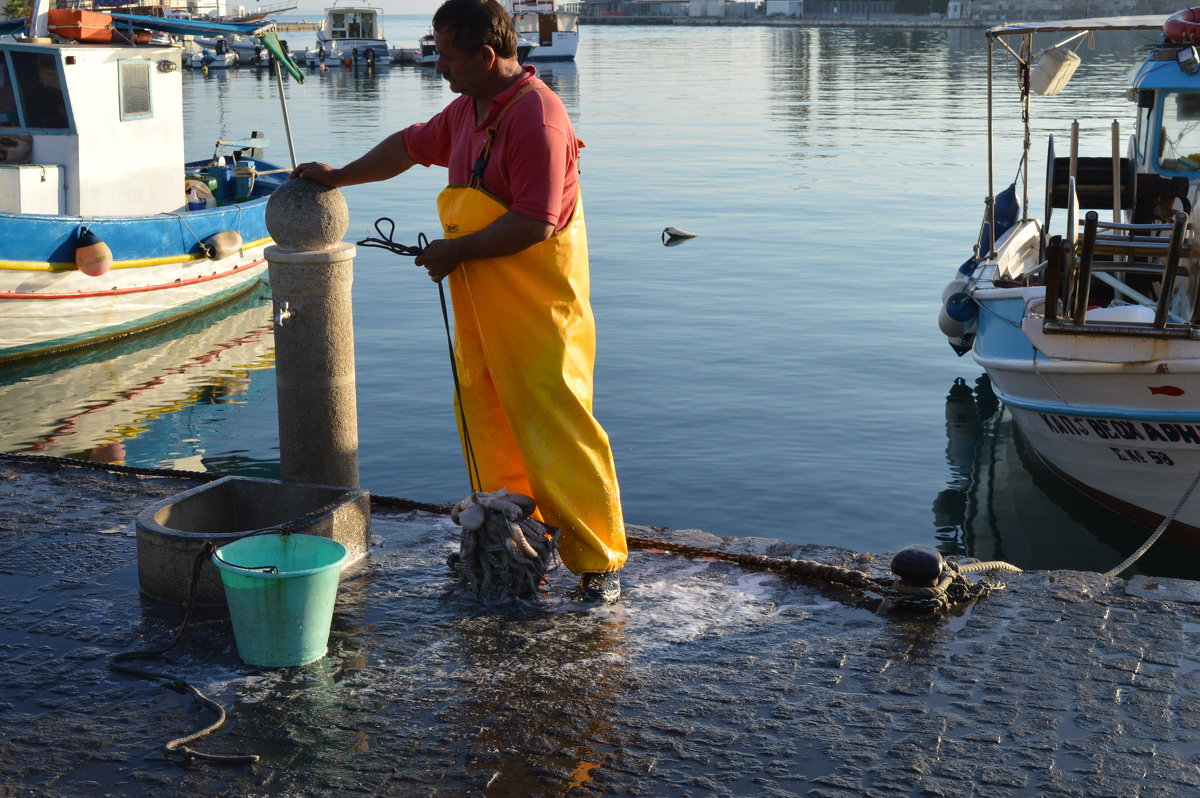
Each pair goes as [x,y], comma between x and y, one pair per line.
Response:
[135,90]
[8,101]
[1143,130]
[1179,133]
[39,89]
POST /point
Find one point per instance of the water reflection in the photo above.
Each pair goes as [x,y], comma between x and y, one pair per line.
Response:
[1002,503]
[97,404]
[563,78]
[357,84]
[508,675]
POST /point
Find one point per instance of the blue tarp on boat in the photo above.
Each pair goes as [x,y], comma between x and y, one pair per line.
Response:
[189,27]
[179,27]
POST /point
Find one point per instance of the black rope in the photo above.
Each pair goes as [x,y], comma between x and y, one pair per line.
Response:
[386,241]
[179,746]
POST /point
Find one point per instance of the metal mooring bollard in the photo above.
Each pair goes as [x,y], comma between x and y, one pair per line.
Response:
[311,270]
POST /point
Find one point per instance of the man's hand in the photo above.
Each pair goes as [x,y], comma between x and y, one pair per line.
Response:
[440,258]
[317,172]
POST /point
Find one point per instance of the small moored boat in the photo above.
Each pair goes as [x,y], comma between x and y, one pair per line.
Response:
[550,29]
[220,56]
[104,230]
[427,52]
[354,28]
[1087,317]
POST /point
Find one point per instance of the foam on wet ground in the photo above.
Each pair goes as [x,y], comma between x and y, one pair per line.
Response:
[705,679]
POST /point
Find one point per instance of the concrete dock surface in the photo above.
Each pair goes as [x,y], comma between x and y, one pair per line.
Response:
[706,679]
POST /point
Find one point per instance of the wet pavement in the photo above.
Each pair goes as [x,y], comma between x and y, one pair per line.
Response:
[707,679]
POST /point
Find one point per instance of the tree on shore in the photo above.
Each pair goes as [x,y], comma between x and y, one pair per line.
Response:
[16,8]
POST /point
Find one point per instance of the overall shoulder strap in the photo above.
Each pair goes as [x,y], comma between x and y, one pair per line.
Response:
[485,154]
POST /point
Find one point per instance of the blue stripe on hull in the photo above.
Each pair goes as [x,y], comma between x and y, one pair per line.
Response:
[47,238]
[158,319]
[1124,413]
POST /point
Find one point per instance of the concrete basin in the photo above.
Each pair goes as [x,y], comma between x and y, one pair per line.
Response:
[172,532]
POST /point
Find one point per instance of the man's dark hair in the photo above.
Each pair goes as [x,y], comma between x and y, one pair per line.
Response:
[474,23]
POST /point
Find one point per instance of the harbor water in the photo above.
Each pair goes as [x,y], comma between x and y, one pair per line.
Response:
[780,375]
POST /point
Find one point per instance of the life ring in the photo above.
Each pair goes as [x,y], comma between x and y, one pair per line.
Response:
[1183,27]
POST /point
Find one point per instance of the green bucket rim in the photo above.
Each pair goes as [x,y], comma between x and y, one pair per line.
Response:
[245,570]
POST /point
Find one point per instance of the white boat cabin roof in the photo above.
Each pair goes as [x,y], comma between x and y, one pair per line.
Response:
[1145,22]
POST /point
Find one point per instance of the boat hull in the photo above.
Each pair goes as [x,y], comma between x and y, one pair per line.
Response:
[161,272]
[562,47]
[1114,416]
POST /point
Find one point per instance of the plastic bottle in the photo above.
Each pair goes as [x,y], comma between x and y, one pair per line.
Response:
[194,202]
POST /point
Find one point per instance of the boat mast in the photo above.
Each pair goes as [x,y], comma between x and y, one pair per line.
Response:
[990,211]
[1025,92]
[287,123]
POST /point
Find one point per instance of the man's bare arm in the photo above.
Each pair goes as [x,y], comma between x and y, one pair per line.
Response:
[385,160]
[508,235]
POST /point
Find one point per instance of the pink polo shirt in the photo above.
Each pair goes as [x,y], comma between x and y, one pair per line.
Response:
[533,169]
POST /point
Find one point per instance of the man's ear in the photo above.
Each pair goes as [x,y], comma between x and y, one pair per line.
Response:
[487,56]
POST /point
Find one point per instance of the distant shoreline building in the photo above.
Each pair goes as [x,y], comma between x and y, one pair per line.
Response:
[981,12]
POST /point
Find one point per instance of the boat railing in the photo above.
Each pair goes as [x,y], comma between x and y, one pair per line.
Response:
[1110,253]
[545,6]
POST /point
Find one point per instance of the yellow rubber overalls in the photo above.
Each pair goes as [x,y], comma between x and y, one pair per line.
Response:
[525,344]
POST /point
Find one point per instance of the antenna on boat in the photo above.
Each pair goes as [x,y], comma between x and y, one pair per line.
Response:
[287,123]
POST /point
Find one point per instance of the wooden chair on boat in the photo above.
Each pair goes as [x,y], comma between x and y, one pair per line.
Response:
[1115,254]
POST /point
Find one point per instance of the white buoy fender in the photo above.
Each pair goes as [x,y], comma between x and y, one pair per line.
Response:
[219,246]
[954,286]
[958,315]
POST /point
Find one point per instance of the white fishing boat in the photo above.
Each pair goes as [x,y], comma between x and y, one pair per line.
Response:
[219,57]
[355,29]
[105,230]
[1087,319]
[249,50]
[426,53]
[326,54]
[550,28]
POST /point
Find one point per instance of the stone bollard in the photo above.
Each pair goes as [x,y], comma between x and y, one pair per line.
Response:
[310,271]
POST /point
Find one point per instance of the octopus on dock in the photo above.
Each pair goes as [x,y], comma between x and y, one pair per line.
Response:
[504,553]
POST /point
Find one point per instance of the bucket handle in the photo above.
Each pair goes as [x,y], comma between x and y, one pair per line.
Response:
[263,569]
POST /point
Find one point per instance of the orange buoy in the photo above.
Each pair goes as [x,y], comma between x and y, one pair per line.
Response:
[92,256]
[1183,26]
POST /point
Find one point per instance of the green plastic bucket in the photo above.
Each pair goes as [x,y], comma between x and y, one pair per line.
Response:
[281,619]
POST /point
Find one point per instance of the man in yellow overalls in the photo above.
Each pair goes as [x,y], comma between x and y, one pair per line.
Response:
[515,253]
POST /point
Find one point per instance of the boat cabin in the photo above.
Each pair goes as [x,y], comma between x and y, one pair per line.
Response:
[1166,88]
[539,20]
[90,131]
[353,23]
